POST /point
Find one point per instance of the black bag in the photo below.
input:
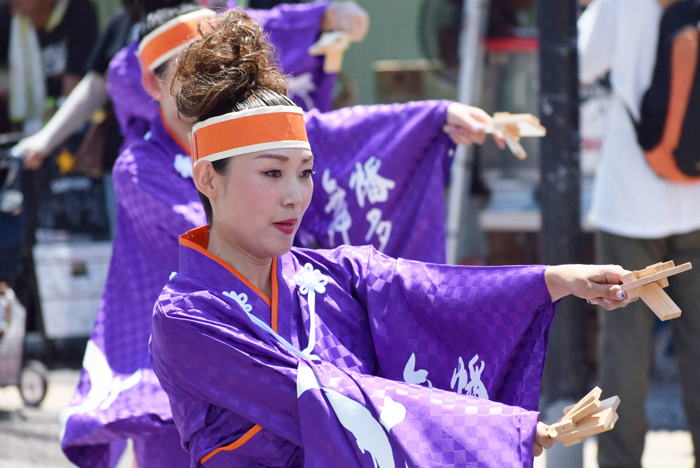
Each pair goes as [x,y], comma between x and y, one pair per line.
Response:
[669,127]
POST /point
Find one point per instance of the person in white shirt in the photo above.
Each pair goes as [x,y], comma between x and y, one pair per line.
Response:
[640,219]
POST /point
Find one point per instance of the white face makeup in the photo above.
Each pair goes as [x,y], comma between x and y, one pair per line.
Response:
[259,203]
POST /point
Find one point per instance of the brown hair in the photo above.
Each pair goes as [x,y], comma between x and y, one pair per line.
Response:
[229,69]
[230,64]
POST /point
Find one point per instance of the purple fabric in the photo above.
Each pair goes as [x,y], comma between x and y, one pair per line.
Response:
[380,179]
[133,106]
[154,204]
[292,30]
[390,335]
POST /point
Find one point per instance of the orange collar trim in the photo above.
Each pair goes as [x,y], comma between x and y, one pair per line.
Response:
[198,239]
[233,446]
[171,133]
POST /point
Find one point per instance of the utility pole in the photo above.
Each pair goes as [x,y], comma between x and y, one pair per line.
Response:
[474,15]
[560,239]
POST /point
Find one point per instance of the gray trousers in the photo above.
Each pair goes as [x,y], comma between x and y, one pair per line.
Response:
[625,341]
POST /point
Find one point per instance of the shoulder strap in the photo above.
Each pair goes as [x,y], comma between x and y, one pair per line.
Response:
[666,3]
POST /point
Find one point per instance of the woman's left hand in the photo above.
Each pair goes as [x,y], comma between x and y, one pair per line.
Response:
[467,125]
[599,284]
[542,439]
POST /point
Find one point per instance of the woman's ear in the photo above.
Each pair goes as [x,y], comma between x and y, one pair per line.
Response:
[151,84]
[205,177]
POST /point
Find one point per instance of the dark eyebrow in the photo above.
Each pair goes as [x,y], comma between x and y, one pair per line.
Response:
[279,157]
[273,156]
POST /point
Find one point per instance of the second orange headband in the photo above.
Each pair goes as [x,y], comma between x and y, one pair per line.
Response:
[167,40]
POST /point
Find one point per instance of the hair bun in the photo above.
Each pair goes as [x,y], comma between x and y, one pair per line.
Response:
[230,62]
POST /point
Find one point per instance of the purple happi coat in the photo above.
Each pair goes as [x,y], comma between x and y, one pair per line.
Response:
[356,360]
[380,179]
[157,201]
[292,29]
[118,395]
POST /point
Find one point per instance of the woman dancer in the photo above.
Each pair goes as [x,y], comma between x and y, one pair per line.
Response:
[276,356]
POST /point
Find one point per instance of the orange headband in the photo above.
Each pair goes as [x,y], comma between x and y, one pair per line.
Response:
[167,40]
[247,131]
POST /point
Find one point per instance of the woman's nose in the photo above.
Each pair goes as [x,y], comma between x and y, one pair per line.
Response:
[293,194]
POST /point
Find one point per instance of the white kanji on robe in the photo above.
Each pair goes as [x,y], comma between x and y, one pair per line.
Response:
[367,182]
[339,207]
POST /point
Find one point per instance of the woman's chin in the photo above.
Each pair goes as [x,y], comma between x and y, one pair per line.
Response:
[281,247]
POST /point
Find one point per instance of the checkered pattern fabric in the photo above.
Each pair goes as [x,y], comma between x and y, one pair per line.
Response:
[225,374]
[154,204]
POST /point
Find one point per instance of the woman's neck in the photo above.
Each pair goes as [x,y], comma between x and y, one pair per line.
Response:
[255,270]
[177,128]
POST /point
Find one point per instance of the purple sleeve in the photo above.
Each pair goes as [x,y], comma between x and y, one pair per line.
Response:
[263,378]
[292,30]
[499,317]
[397,153]
[395,129]
[133,107]
[286,17]
[246,379]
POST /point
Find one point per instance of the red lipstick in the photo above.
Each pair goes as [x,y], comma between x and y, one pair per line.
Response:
[286,226]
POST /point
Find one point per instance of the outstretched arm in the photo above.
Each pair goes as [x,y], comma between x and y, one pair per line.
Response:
[88,96]
[599,284]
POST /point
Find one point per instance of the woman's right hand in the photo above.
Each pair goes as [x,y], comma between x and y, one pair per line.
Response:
[33,160]
[467,125]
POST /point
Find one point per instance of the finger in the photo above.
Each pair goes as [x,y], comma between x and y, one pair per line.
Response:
[355,27]
[542,436]
[364,28]
[546,443]
[611,274]
[474,122]
[500,141]
[464,136]
[457,134]
[480,115]
[610,294]
[463,139]
[608,304]
[360,25]
[349,25]
[598,285]
[537,449]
